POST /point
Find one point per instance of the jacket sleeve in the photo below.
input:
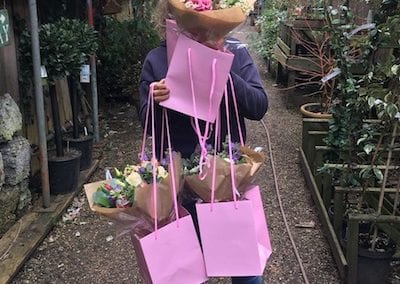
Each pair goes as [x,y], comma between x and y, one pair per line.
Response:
[146,78]
[251,97]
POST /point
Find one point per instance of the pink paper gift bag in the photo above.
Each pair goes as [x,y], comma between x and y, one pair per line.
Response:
[172,254]
[196,77]
[172,34]
[235,240]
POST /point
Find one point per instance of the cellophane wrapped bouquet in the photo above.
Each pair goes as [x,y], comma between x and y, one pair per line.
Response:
[246,162]
[128,196]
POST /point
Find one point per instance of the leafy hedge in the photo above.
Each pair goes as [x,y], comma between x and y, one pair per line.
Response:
[123,46]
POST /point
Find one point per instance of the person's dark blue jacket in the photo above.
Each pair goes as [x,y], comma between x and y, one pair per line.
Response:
[251,97]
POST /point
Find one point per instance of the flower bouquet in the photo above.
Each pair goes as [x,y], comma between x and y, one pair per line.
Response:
[246,163]
[209,20]
[131,191]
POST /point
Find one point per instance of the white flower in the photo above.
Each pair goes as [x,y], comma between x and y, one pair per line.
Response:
[378,102]
[194,170]
[161,172]
[134,179]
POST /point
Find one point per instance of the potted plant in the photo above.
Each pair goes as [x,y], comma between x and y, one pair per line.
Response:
[62,55]
[361,150]
[85,43]
[306,61]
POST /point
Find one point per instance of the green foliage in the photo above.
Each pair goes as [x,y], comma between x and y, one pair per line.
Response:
[123,47]
[373,93]
[64,46]
[269,26]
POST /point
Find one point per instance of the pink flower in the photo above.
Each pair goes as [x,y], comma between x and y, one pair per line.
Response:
[199,5]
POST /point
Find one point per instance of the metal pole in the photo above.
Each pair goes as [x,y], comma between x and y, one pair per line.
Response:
[93,79]
[40,117]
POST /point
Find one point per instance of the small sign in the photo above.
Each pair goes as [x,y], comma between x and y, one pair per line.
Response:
[85,74]
[43,72]
[4,28]
[335,72]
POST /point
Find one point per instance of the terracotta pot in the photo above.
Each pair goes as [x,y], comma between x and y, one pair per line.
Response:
[313,110]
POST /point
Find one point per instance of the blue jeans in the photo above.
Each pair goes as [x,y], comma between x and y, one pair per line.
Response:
[247,280]
[191,208]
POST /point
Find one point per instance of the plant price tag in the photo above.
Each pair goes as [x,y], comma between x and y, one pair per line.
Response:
[85,74]
[335,72]
[43,72]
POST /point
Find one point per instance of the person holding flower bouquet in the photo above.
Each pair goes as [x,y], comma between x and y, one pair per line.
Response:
[252,101]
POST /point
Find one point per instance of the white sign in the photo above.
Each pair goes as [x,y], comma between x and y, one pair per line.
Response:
[85,74]
[43,71]
[335,72]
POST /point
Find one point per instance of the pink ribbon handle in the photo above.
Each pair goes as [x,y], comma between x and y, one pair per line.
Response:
[151,111]
[172,169]
[202,138]
[231,162]
[236,109]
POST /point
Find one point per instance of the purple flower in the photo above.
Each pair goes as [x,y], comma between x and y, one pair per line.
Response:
[142,170]
[111,200]
[164,162]
[145,157]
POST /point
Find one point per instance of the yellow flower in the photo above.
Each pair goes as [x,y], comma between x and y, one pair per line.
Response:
[134,179]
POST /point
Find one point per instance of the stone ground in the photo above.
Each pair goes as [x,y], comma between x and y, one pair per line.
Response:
[84,250]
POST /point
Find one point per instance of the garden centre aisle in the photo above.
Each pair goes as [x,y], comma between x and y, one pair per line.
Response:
[82,247]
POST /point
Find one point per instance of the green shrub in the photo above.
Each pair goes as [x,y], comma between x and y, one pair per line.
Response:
[268,23]
[123,47]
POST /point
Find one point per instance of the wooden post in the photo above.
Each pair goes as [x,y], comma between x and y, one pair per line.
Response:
[338,213]
[8,61]
[326,186]
[352,250]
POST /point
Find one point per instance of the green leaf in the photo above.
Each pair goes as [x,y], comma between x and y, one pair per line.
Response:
[378,174]
[368,148]
[362,139]
[371,101]
[101,198]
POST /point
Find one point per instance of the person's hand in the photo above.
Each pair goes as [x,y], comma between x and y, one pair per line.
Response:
[161,92]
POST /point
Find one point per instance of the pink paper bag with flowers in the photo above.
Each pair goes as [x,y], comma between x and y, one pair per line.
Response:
[196,77]
[172,254]
[234,236]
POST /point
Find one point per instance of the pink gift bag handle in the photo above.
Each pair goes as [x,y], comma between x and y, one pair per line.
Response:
[201,137]
[150,106]
[165,112]
[217,142]
[236,109]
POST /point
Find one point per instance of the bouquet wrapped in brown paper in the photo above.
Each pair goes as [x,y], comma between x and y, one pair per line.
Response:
[131,192]
[209,20]
[246,164]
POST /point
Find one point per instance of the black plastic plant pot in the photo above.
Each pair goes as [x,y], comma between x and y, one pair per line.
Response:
[83,144]
[64,171]
[374,267]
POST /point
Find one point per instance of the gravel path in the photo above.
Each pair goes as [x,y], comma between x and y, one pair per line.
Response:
[83,250]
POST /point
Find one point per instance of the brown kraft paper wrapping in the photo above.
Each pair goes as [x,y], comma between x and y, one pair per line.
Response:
[144,202]
[206,25]
[244,173]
